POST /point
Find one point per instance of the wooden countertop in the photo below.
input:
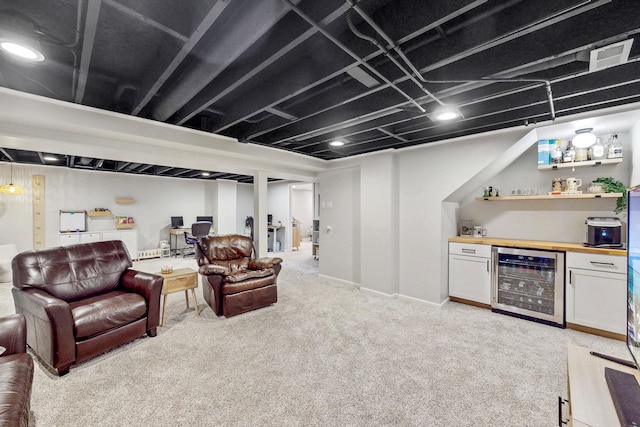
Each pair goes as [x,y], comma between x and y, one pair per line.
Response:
[538,244]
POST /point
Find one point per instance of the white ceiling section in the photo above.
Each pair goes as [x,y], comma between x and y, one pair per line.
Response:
[296,75]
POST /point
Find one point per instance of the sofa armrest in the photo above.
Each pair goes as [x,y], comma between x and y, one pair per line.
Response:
[49,319]
[264,263]
[209,269]
[150,287]
[13,334]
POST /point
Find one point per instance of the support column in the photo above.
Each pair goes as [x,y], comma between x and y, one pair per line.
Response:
[260,212]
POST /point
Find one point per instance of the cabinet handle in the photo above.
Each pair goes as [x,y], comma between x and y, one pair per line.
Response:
[561,419]
[468,251]
[488,266]
[603,264]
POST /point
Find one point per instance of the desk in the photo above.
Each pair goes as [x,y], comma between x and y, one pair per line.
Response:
[181,279]
[275,234]
[173,235]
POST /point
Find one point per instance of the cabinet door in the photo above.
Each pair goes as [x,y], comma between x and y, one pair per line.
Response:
[90,237]
[470,278]
[597,299]
[67,239]
[130,240]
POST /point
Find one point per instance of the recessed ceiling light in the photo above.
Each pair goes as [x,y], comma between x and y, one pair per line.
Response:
[447,114]
[205,174]
[336,143]
[21,51]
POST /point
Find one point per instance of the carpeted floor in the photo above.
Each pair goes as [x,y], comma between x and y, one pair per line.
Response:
[325,355]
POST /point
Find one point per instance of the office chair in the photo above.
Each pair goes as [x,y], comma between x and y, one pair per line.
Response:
[199,229]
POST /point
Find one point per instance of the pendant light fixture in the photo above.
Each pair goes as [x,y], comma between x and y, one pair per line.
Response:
[10,188]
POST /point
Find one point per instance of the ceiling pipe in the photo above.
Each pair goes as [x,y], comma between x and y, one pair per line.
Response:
[386,52]
[415,71]
[348,51]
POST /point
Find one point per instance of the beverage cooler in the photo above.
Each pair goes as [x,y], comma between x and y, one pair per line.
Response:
[529,284]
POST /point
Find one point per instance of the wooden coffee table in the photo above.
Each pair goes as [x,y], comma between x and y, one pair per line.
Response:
[181,279]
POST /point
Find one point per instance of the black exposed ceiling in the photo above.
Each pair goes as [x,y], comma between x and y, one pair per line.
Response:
[297,74]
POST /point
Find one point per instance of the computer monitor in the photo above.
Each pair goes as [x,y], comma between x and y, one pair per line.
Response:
[204,218]
[176,222]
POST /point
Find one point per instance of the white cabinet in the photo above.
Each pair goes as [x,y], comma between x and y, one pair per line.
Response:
[90,237]
[470,272]
[66,239]
[596,292]
[128,237]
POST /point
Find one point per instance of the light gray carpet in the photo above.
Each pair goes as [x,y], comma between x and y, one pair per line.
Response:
[325,355]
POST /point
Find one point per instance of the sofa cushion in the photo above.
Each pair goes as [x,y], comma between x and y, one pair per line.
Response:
[16,377]
[246,285]
[98,314]
[242,275]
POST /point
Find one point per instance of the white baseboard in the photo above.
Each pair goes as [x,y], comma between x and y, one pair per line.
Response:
[344,282]
[382,294]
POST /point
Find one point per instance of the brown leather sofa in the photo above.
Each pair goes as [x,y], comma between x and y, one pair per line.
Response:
[233,281]
[16,372]
[82,300]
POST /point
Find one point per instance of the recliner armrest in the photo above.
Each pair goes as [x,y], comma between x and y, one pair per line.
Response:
[264,263]
[209,269]
[13,334]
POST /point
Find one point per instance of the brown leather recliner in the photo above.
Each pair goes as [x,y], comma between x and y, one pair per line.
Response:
[16,372]
[233,281]
[82,300]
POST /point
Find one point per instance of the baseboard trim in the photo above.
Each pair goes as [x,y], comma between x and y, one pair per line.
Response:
[596,331]
[422,301]
[383,294]
[469,302]
[344,282]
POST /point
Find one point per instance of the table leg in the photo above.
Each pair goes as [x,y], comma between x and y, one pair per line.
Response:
[164,308]
[195,301]
[186,296]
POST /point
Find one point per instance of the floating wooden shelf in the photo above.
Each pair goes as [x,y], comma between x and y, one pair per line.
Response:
[124,226]
[125,201]
[553,197]
[581,164]
[98,213]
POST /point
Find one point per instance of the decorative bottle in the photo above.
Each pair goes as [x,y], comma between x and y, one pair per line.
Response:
[556,153]
[614,147]
[597,150]
[570,153]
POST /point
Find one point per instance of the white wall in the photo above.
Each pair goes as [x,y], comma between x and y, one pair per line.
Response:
[635,155]
[279,205]
[157,199]
[244,205]
[340,210]
[302,207]
[225,210]
[379,223]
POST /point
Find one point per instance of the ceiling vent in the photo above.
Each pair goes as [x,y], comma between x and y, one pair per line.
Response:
[609,56]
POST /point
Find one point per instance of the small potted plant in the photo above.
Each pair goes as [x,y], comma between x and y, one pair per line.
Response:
[611,185]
